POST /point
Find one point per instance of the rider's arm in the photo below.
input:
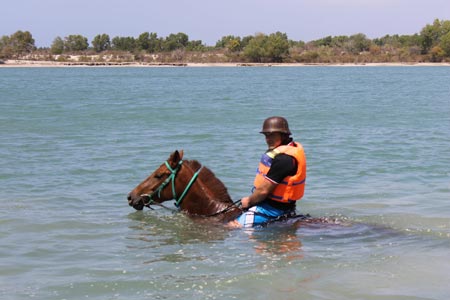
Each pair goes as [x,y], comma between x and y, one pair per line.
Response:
[259,194]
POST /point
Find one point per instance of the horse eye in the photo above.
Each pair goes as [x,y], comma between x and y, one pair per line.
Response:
[159,175]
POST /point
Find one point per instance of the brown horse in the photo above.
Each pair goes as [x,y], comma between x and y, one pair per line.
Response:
[196,190]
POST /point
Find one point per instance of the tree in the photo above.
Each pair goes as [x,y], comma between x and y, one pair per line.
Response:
[220,44]
[234,45]
[148,42]
[432,34]
[358,43]
[101,42]
[143,41]
[196,45]
[326,41]
[5,49]
[57,46]
[263,48]
[155,43]
[21,42]
[277,46]
[255,50]
[229,42]
[437,54]
[175,41]
[75,43]
[124,43]
[429,36]
[246,40]
[339,41]
[445,44]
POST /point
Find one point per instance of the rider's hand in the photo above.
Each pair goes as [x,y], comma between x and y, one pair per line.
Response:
[245,203]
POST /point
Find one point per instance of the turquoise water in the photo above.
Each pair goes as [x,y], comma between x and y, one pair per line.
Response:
[75,141]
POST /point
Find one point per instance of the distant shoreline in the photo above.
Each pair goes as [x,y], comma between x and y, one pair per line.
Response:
[32,63]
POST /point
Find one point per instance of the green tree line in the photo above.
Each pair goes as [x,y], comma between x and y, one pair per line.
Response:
[431,44]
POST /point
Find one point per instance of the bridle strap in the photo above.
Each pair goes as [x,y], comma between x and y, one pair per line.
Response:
[187,188]
[172,176]
[164,184]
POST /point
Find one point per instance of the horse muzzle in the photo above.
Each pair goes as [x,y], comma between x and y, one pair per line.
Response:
[137,202]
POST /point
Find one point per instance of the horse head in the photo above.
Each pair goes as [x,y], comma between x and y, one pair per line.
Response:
[152,189]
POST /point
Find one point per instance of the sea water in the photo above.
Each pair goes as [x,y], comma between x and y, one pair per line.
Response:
[74,141]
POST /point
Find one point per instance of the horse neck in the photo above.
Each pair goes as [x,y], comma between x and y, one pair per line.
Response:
[206,196]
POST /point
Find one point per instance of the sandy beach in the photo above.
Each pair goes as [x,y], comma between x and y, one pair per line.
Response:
[34,63]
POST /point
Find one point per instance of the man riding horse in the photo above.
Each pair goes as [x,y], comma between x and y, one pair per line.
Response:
[280,177]
[279,183]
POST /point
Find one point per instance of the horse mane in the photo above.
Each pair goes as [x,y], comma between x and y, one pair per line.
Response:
[213,183]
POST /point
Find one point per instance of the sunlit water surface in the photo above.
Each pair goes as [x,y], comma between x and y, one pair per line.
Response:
[75,141]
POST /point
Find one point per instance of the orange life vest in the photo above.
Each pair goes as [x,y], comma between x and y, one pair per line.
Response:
[291,188]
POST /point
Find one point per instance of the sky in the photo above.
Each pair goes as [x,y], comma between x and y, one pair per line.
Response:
[210,20]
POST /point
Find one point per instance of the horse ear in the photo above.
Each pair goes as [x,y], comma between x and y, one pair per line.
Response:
[176,156]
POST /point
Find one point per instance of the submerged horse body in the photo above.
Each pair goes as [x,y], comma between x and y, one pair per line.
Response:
[195,189]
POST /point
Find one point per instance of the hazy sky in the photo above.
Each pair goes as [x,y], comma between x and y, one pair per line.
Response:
[210,20]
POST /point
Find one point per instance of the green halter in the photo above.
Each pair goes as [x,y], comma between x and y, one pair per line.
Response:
[172,177]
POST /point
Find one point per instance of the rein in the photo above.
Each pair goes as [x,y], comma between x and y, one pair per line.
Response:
[235,204]
[172,177]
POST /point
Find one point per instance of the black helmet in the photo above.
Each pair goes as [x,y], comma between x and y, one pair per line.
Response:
[276,124]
